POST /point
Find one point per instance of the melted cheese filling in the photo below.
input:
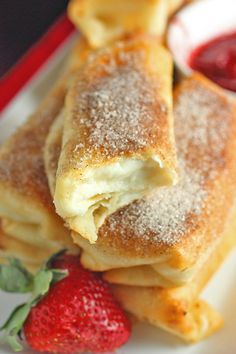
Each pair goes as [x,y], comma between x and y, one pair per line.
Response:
[85,203]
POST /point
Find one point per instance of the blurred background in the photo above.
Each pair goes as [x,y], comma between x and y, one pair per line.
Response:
[22,23]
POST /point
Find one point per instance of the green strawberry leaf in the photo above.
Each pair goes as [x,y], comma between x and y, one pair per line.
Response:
[14,343]
[14,278]
[17,263]
[5,325]
[49,264]
[59,274]
[42,281]
[14,324]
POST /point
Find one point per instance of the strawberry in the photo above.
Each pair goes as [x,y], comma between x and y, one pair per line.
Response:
[75,314]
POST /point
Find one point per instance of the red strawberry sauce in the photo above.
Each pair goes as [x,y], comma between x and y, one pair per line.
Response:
[216,59]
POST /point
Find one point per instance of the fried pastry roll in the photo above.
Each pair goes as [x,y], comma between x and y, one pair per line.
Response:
[179,310]
[163,240]
[175,229]
[26,206]
[31,256]
[118,140]
[103,21]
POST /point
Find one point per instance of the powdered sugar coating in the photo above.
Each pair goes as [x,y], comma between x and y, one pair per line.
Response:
[118,106]
[121,108]
[161,217]
[202,128]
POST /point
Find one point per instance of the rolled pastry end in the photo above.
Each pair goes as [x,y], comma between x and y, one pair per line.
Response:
[85,202]
[105,21]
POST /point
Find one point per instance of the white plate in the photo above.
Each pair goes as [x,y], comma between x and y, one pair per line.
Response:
[145,339]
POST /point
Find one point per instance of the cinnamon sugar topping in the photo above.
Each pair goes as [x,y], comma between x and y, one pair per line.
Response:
[122,105]
[202,128]
[21,160]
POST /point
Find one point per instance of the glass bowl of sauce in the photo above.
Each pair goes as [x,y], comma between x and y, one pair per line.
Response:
[202,37]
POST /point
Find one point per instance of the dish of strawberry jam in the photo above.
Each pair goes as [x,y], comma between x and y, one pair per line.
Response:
[216,59]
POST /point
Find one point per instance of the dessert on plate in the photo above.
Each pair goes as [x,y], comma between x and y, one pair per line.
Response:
[190,226]
[118,140]
[26,207]
[126,182]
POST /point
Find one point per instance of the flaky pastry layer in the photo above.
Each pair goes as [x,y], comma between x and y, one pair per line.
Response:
[118,140]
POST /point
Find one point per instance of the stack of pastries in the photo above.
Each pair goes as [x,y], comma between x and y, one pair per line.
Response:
[135,176]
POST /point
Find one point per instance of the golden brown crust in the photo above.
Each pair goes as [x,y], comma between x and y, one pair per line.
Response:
[28,233]
[144,231]
[179,310]
[10,247]
[192,321]
[25,196]
[21,163]
[146,276]
[136,122]
[103,22]
[21,157]
[78,54]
